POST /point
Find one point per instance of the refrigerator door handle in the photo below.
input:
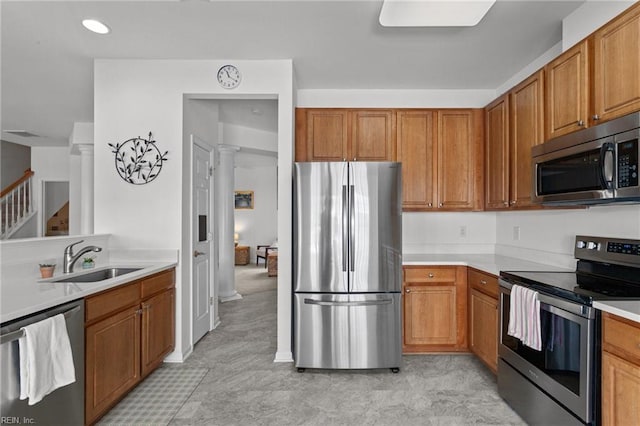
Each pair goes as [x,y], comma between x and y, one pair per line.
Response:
[352,229]
[348,303]
[345,228]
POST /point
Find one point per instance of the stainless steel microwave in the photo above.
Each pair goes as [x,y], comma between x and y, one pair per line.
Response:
[592,166]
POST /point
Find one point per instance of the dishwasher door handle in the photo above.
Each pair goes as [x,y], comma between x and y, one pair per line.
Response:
[15,335]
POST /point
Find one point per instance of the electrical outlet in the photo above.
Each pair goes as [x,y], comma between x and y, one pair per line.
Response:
[463,231]
[516,233]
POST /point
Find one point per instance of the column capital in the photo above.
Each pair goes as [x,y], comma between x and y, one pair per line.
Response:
[228,148]
[85,149]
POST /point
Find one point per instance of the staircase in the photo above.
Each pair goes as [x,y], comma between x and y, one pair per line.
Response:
[16,205]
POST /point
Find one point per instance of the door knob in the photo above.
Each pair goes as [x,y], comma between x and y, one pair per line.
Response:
[197,253]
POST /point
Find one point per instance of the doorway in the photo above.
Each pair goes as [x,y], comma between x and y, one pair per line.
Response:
[202,218]
[55,208]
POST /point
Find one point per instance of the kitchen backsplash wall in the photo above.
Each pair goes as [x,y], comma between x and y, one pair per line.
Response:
[548,236]
[451,232]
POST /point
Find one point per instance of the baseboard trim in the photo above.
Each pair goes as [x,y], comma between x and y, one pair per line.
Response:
[283,357]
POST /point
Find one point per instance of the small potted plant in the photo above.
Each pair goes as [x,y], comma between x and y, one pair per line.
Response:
[46,269]
[88,262]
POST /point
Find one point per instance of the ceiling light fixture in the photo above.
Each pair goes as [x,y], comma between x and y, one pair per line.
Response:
[95,26]
[433,13]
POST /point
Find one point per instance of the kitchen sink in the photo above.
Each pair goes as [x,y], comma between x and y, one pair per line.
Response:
[95,276]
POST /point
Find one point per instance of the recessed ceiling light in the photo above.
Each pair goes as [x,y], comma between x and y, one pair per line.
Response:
[433,13]
[95,26]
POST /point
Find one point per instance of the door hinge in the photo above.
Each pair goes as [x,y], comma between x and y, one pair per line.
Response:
[211,300]
[210,170]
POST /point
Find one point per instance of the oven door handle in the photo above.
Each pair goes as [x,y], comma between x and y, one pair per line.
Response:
[554,302]
[606,164]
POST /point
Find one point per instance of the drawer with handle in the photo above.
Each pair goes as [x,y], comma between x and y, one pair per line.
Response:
[436,274]
[483,282]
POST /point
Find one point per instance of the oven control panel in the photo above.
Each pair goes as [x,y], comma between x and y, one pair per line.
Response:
[608,250]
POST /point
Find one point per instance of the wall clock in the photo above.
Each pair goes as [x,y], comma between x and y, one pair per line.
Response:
[229,76]
[138,161]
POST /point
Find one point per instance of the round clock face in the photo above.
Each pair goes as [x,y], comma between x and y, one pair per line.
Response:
[229,76]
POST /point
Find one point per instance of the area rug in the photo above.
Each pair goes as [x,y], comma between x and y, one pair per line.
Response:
[157,399]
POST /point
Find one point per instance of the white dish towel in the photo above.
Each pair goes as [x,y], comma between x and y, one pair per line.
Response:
[46,362]
[524,317]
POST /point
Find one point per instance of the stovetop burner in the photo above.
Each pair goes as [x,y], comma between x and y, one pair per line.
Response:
[607,269]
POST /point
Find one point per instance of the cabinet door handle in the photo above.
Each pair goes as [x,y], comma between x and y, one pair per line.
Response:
[429,205]
[440,205]
[506,203]
[483,282]
[513,203]
[354,159]
[580,123]
[139,312]
[408,290]
[596,117]
[430,275]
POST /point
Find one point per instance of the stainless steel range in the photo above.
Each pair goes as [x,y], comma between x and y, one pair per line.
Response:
[560,383]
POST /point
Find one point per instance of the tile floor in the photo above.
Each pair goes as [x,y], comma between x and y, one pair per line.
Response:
[243,386]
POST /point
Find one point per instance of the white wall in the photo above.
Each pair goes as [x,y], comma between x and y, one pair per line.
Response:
[133,97]
[452,232]
[48,164]
[233,134]
[257,225]
[548,236]
[588,18]
[14,160]
[320,98]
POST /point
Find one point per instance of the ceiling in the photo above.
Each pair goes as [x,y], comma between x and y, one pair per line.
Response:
[47,56]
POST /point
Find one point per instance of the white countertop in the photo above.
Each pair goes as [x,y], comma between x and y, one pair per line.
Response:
[493,264]
[489,263]
[629,309]
[24,294]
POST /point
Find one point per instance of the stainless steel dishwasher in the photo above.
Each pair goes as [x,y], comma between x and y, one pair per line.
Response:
[64,406]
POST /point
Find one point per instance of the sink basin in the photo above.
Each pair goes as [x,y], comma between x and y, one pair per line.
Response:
[95,276]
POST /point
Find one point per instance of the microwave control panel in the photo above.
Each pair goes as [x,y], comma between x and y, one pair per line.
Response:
[628,164]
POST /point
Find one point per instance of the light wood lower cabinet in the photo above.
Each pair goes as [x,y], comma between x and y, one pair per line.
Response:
[112,360]
[620,371]
[158,329]
[434,309]
[128,332]
[483,317]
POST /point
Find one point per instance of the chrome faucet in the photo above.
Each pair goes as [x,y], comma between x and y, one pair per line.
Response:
[70,259]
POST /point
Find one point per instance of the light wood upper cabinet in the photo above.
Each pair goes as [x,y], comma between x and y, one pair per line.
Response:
[496,172]
[460,159]
[327,134]
[372,135]
[616,55]
[340,134]
[416,151]
[526,130]
[434,314]
[567,92]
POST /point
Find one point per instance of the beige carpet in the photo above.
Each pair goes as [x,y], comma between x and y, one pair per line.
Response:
[253,279]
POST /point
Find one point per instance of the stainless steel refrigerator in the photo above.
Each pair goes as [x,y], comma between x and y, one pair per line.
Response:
[347,265]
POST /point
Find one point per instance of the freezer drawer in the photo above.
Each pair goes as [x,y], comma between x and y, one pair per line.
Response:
[347,331]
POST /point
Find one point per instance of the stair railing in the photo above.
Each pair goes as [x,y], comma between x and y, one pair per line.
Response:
[16,204]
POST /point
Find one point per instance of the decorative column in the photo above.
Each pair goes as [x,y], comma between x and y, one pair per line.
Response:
[226,219]
[86,189]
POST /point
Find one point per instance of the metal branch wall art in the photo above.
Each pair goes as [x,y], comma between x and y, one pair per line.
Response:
[138,161]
